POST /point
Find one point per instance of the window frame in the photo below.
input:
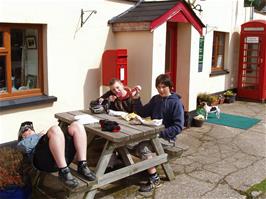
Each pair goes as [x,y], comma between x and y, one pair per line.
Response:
[6,51]
[215,50]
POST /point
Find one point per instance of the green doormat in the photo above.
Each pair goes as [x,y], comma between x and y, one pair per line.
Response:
[234,121]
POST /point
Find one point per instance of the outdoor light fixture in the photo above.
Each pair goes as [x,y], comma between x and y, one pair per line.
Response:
[196,7]
[82,20]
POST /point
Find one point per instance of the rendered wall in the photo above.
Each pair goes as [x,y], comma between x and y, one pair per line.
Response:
[72,59]
[139,45]
[183,62]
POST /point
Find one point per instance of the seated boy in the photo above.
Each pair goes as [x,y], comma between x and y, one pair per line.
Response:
[167,106]
[54,151]
[120,97]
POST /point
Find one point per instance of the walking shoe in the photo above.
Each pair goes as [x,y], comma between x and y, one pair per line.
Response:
[67,178]
[150,185]
[85,172]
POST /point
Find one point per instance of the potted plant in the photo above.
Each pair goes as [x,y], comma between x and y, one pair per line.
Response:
[214,100]
[12,183]
[203,97]
[229,96]
[198,120]
[221,99]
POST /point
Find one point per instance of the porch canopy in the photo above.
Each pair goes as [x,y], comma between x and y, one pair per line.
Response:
[148,15]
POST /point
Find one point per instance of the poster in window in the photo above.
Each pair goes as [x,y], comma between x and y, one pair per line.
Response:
[31,42]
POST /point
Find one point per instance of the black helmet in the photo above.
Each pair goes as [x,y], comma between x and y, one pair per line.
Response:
[24,127]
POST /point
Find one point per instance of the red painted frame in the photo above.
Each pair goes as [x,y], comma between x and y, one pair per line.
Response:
[179,13]
[260,92]
[172,28]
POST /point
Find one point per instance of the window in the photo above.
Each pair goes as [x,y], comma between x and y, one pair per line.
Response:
[20,61]
[218,51]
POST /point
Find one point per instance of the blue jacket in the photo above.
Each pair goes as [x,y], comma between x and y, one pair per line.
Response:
[170,109]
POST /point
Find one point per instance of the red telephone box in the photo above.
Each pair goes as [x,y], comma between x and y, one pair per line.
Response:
[252,64]
[114,65]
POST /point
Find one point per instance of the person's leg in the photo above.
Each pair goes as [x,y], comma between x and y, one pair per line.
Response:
[145,152]
[77,131]
[57,148]
[57,145]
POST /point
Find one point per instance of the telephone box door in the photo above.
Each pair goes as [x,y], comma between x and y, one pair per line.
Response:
[251,66]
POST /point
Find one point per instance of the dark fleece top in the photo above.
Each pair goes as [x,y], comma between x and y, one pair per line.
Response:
[170,109]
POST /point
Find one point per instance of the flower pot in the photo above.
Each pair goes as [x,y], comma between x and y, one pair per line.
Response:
[221,100]
[229,99]
[15,192]
[197,123]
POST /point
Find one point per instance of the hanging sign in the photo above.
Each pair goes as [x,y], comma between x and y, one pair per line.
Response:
[201,53]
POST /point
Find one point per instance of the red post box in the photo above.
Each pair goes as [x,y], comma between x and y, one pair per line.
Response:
[114,65]
[252,64]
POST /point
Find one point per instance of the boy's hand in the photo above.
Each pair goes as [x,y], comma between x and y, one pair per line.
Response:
[100,100]
[112,98]
[135,92]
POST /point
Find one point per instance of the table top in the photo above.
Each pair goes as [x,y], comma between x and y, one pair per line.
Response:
[126,133]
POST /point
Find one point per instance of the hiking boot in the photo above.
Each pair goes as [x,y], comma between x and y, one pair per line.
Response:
[85,172]
[150,185]
[67,178]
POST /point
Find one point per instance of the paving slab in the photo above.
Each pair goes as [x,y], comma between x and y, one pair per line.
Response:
[219,162]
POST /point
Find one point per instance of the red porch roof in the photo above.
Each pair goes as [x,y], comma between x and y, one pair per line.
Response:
[154,13]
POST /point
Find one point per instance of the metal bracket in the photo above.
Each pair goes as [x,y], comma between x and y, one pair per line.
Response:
[82,16]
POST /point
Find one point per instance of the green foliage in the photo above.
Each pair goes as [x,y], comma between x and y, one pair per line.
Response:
[200,111]
[11,167]
[257,187]
[257,4]
[229,93]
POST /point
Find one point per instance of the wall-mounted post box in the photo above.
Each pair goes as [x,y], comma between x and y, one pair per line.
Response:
[114,65]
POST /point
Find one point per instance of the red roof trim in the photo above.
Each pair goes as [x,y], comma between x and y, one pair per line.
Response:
[179,8]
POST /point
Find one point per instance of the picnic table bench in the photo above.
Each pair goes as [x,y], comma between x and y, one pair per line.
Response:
[118,141]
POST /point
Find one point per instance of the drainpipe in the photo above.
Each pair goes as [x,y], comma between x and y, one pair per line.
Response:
[251,13]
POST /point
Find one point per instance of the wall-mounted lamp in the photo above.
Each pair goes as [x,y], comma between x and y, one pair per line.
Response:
[196,7]
[82,16]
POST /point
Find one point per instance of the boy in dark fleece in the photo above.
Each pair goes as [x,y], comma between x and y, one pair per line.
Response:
[166,106]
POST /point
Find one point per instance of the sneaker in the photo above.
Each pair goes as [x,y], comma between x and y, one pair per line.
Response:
[67,178]
[85,172]
[150,185]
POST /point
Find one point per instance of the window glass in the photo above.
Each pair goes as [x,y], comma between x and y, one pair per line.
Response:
[3,83]
[24,59]
[218,50]
[1,39]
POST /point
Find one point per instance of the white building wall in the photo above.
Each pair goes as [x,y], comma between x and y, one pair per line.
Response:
[73,55]
[224,16]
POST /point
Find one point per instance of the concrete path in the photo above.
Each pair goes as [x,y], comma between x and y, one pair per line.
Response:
[220,162]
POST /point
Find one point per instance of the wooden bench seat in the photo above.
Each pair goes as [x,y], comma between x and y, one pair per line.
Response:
[47,185]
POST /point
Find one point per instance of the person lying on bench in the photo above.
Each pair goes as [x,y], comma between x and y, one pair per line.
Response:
[167,106]
[54,151]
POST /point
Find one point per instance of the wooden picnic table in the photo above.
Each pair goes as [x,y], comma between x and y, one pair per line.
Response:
[118,141]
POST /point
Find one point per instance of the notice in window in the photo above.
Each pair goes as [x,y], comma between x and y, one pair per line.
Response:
[252,40]
[122,74]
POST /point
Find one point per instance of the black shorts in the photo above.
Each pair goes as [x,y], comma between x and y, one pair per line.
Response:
[43,159]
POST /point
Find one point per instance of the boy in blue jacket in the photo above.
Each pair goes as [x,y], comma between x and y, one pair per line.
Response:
[167,106]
